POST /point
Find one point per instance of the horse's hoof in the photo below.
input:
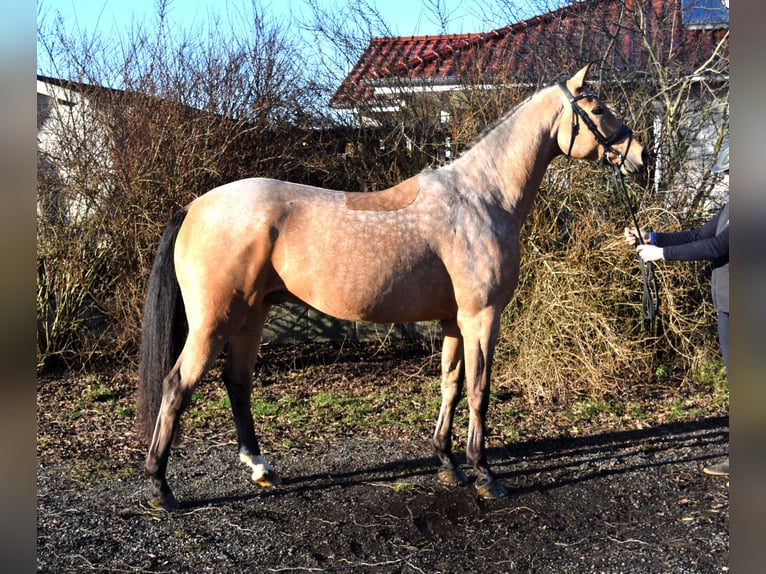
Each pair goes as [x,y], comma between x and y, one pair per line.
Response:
[263,473]
[491,490]
[452,477]
[269,478]
[163,502]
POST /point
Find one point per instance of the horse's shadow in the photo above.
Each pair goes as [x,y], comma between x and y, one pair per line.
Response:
[609,454]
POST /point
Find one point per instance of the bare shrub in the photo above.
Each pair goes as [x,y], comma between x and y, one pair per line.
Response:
[187,114]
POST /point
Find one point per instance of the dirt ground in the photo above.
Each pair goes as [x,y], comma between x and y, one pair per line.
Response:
[613,501]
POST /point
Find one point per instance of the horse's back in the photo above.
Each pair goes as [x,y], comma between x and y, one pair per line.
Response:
[234,215]
[244,205]
[260,193]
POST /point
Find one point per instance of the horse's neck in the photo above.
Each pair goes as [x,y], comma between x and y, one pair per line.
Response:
[513,157]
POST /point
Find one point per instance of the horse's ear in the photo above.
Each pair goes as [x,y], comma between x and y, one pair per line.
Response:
[576,82]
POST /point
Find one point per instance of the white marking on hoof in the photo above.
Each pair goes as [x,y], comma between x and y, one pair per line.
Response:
[259,465]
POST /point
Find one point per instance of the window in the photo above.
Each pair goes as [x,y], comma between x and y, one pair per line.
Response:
[704,14]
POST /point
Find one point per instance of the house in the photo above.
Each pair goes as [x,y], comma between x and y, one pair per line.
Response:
[70,141]
[391,71]
[89,135]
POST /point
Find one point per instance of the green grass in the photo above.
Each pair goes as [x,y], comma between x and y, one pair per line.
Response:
[100,394]
[336,407]
[292,406]
[589,409]
[712,373]
[401,487]
[298,414]
[91,471]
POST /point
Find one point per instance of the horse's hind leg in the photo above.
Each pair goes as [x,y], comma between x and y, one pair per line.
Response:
[238,377]
[177,387]
[452,377]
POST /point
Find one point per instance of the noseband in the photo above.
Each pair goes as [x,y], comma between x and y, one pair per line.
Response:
[604,141]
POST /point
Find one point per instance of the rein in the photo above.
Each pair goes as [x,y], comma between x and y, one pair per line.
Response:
[651,297]
[650,302]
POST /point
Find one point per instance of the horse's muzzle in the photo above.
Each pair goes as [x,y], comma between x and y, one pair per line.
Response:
[640,165]
[631,161]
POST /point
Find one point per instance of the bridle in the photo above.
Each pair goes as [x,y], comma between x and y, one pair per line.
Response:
[604,141]
[651,296]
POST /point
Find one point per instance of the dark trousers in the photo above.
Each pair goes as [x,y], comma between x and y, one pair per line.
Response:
[723,337]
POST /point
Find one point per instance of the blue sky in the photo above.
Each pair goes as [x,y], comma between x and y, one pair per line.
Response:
[406,17]
[112,18]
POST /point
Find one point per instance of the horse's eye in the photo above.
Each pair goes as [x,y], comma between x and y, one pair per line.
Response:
[597,111]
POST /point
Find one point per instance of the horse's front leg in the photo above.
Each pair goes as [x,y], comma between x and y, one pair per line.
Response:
[479,337]
[238,378]
[452,377]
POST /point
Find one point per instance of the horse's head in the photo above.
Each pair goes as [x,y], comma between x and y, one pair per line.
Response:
[589,130]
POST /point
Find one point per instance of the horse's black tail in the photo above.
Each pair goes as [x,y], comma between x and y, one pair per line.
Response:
[162,331]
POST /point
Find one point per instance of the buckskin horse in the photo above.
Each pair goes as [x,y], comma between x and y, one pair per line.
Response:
[442,245]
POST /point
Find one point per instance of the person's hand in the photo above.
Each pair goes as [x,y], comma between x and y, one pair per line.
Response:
[649,252]
[631,236]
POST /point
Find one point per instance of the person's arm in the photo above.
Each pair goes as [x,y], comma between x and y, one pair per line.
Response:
[673,238]
[694,245]
[706,231]
[705,248]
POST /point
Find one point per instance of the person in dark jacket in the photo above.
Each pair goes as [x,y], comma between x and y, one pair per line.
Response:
[711,242]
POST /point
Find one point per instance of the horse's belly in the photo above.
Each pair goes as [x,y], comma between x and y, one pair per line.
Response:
[376,293]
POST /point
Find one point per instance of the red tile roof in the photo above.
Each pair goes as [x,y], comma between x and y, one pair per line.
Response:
[526,50]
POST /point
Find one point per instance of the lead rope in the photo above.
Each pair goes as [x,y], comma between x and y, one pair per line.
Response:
[650,303]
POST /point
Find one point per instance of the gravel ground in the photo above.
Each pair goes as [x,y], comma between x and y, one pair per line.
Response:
[619,502]
[364,499]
